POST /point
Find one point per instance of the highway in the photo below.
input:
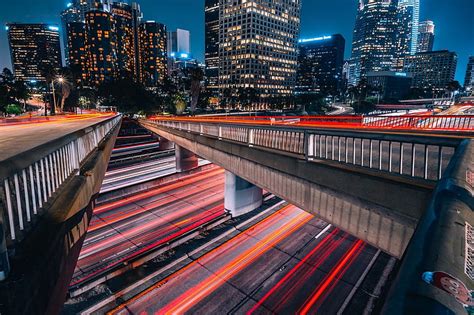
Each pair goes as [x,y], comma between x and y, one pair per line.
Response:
[138,163]
[289,262]
[123,230]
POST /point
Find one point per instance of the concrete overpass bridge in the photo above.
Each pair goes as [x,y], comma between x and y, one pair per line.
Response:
[403,185]
[51,171]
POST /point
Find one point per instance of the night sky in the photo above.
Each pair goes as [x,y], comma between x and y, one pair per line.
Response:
[454,21]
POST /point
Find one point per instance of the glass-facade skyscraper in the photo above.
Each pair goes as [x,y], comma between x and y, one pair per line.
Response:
[101,47]
[212,45]
[374,40]
[426,36]
[320,64]
[34,49]
[408,26]
[469,78]
[123,17]
[153,53]
[258,47]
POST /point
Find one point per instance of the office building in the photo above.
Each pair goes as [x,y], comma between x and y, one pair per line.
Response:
[408,16]
[101,47]
[469,78]
[426,36]
[179,42]
[374,38]
[153,54]
[34,49]
[431,71]
[391,85]
[212,46]
[137,17]
[320,64]
[123,17]
[76,43]
[258,48]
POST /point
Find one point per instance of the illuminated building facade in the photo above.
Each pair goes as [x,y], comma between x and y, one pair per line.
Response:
[258,47]
[431,70]
[320,64]
[153,53]
[76,40]
[392,86]
[469,78]
[34,48]
[137,17]
[426,36]
[123,17]
[212,46]
[374,38]
[408,27]
[178,42]
[101,47]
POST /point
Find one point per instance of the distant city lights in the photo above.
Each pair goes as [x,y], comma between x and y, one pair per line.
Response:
[53,28]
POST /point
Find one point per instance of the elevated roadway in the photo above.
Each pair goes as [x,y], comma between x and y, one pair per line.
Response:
[376,181]
[50,173]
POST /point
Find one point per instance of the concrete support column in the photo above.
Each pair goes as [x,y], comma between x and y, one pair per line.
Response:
[241,196]
[185,159]
[165,144]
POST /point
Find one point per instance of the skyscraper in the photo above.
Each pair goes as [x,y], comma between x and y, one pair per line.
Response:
[123,17]
[212,45]
[137,16]
[426,36]
[320,64]
[178,42]
[408,26]
[153,56]
[76,42]
[374,41]
[431,71]
[258,47]
[101,47]
[34,49]
[469,78]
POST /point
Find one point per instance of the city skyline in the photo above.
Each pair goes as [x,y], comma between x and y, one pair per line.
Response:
[317,19]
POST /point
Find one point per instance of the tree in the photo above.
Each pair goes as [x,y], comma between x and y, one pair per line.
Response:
[179,103]
[313,103]
[453,87]
[196,75]
[21,92]
[13,109]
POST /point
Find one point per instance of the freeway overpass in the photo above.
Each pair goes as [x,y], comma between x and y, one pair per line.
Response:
[399,183]
[51,170]
[402,184]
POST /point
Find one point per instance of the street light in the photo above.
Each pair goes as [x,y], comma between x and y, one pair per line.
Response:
[60,79]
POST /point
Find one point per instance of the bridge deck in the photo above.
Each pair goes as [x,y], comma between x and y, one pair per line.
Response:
[18,138]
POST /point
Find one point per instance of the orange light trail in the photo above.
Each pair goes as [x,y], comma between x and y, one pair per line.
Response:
[338,270]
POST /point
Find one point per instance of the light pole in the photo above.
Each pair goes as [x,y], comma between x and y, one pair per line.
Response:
[60,79]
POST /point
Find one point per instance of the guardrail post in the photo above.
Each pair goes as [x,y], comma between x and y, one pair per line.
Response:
[4,263]
[250,137]
[220,133]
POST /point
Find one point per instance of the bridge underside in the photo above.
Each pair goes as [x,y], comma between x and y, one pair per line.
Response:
[378,208]
[43,263]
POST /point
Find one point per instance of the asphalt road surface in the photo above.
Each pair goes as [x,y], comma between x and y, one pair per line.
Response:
[288,263]
[122,230]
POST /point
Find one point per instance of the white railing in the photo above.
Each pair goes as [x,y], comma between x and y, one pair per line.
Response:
[27,190]
[421,157]
[469,258]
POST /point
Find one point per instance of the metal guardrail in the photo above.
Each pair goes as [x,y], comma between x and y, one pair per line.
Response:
[24,191]
[447,123]
[413,156]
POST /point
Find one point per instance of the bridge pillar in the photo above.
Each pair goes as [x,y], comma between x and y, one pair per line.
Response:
[241,196]
[185,159]
[165,144]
